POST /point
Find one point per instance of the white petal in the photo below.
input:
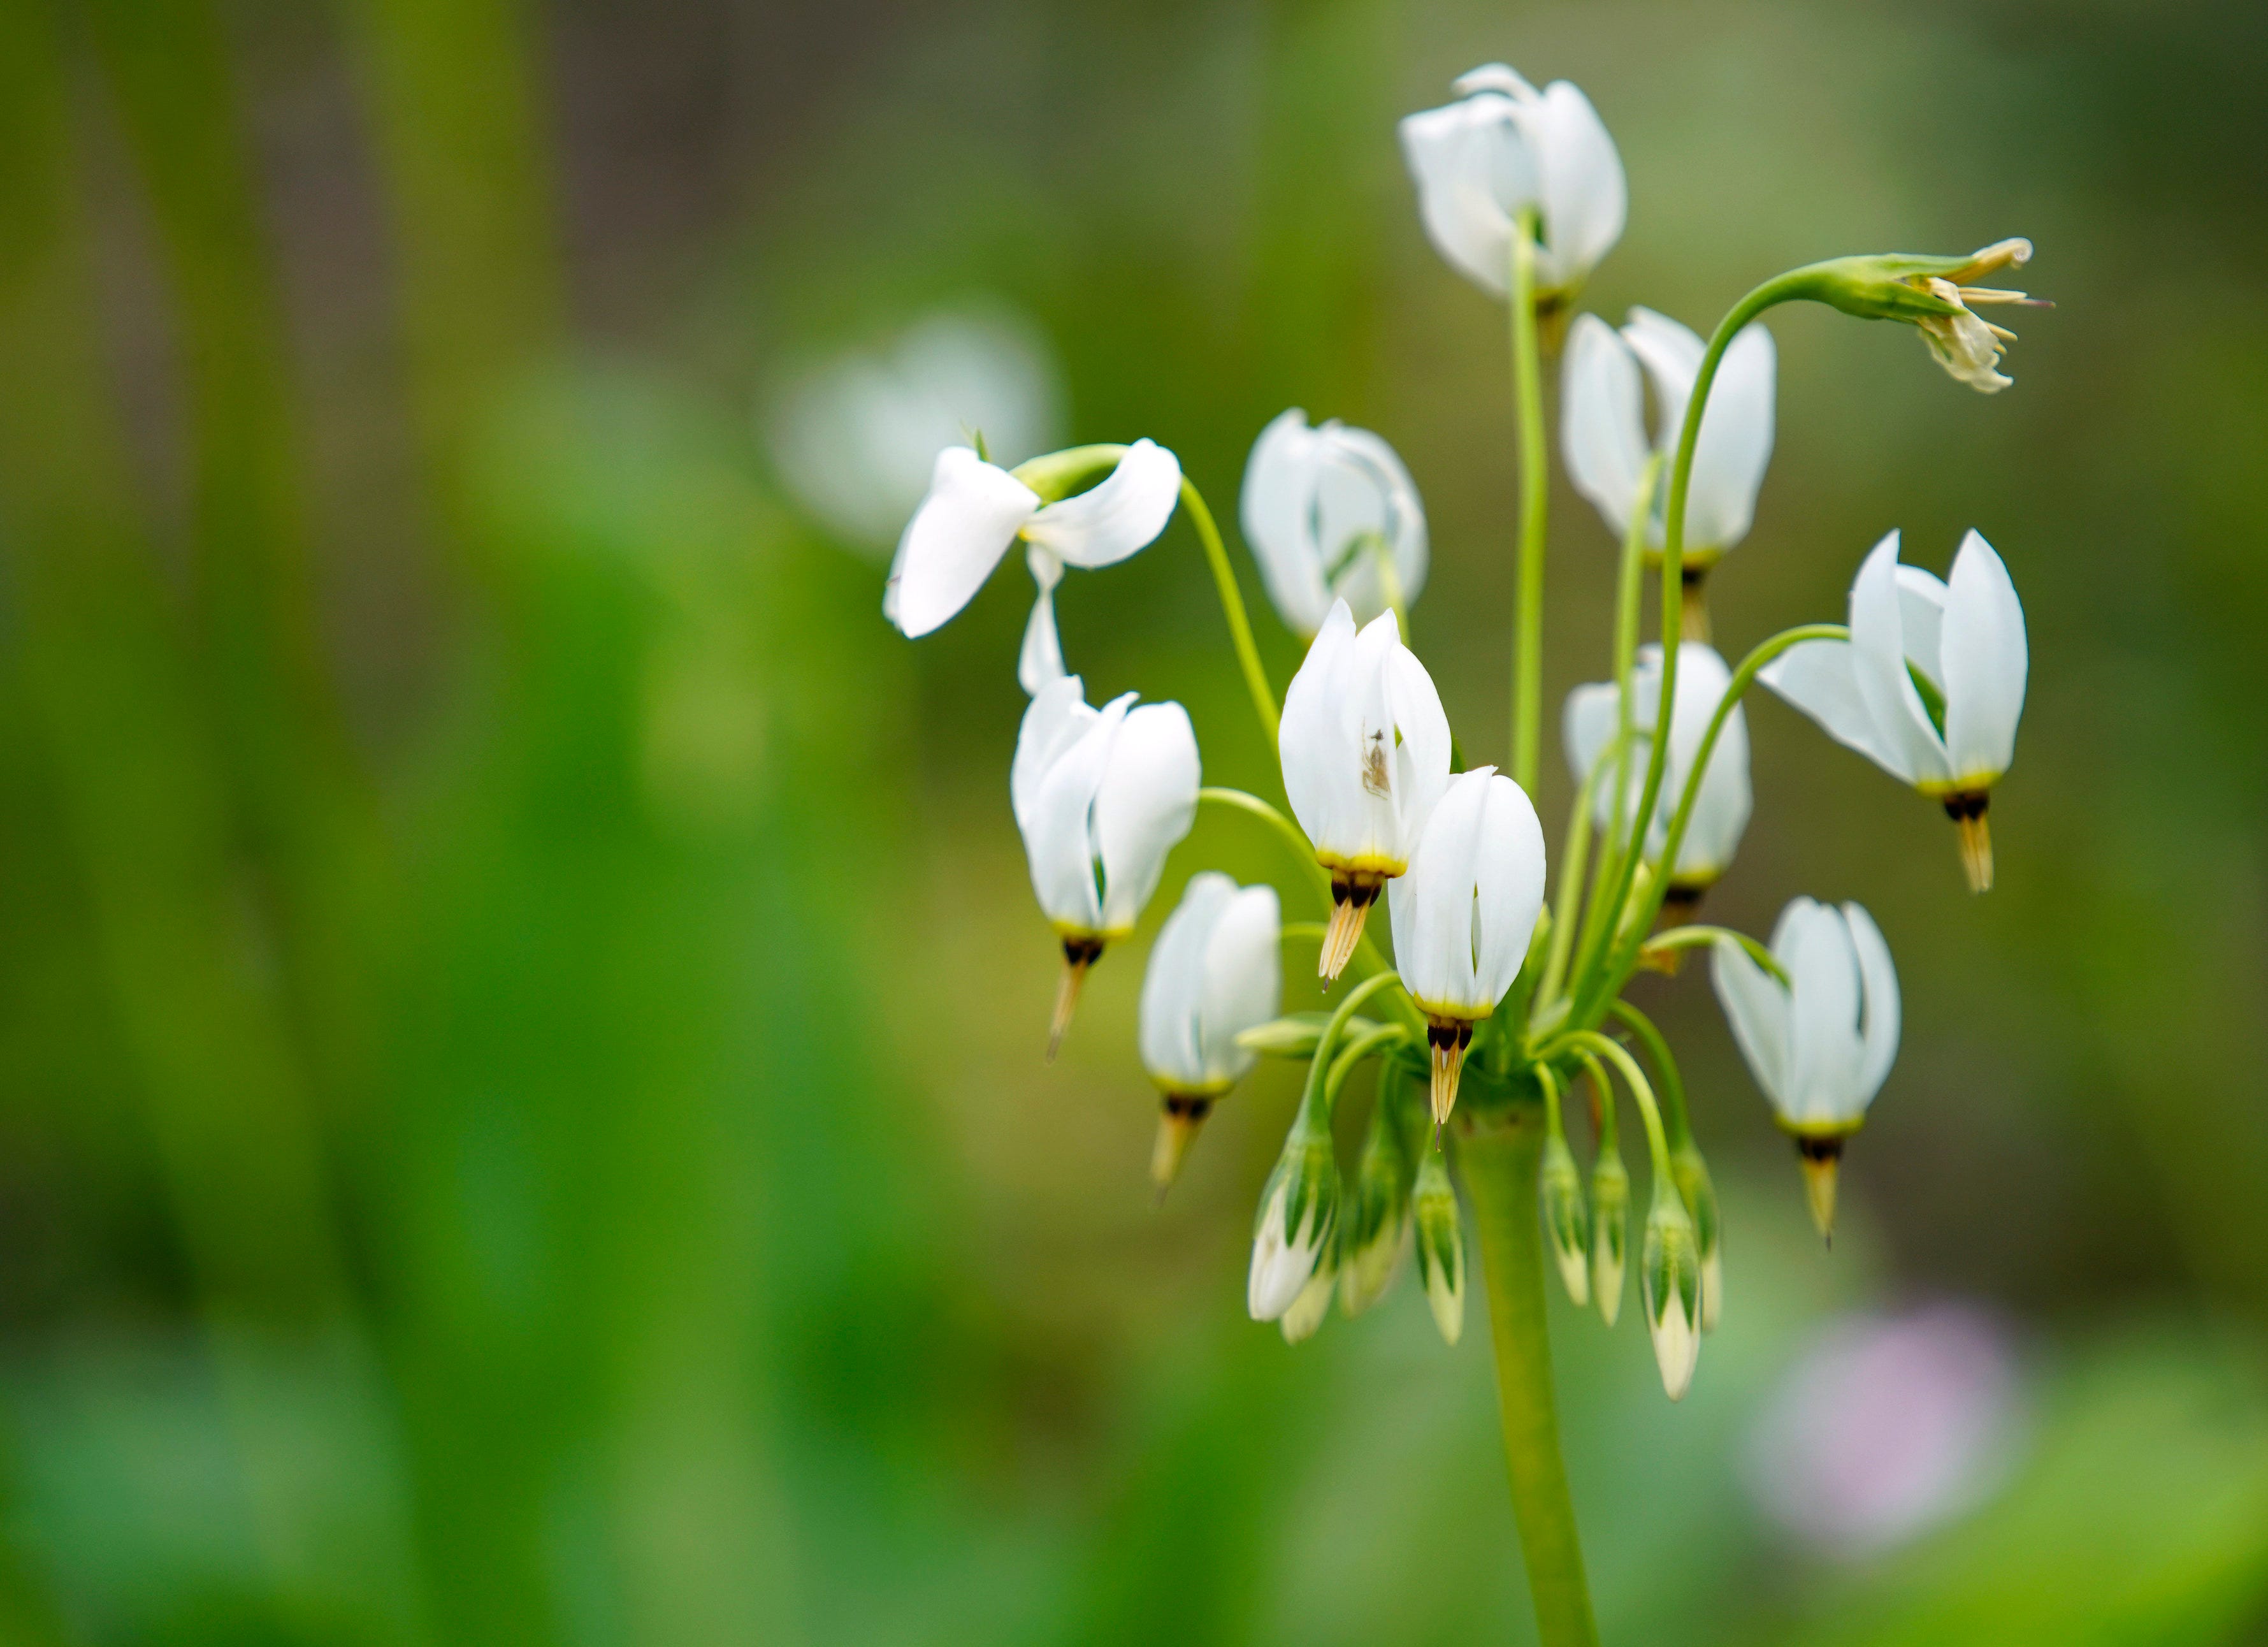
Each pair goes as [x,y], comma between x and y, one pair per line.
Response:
[1818,677]
[1122,513]
[1878,1012]
[1274,508]
[1921,611]
[1420,764]
[1878,665]
[1721,811]
[1986,659]
[1058,827]
[1734,446]
[1495,77]
[971,515]
[1584,196]
[1056,717]
[1824,1054]
[1467,164]
[1755,1007]
[1281,1267]
[1174,985]
[1602,420]
[1670,351]
[1588,723]
[1432,905]
[1311,735]
[1243,980]
[1508,888]
[1362,485]
[1146,804]
[1040,659]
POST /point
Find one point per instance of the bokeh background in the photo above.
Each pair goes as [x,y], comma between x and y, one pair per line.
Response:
[520,1108]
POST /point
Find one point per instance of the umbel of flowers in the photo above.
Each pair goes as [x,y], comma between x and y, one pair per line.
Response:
[1503,1001]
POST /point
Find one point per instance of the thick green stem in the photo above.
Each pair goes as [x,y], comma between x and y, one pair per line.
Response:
[1499,1162]
[1528,618]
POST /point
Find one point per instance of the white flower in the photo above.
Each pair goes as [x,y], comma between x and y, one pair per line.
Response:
[1930,685]
[1720,810]
[1465,914]
[1504,148]
[1100,796]
[1215,971]
[1366,752]
[975,511]
[1604,431]
[856,436]
[1320,506]
[1820,1044]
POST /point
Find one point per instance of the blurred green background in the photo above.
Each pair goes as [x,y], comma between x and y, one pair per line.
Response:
[520,1112]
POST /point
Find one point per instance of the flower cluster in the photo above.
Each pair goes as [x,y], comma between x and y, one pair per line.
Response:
[1520,1007]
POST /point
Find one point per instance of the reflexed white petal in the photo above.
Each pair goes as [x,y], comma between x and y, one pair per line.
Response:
[1145,806]
[1122,513]
[1671,353]
[971,515]
[1508,888]
[1312,738]
[1824,1055]
[1819,677]
[1921,611]
[1243,980]
[1040,660]
[1584,197]
[1059,832]
[1986,659]
[1721,811]
[1054,720]
[1586,725]
[1755,1006]
[1735,445]
[1494,76]
[1432,905]
[1362,485]
[1468,164]
[1420,764]
[1879,1013]
[1174,985]
[1602,420]
[1878,665]
[1273,509]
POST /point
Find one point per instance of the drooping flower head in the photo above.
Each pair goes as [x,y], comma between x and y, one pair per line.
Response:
[1604,436]
[1720,810]
[1938,297]
[1821,1043]
[1930,685]
[1331,514]
[1101,797]
[1215,971]
[1366,752]
[975,512]
[1504,148]
[1465,914]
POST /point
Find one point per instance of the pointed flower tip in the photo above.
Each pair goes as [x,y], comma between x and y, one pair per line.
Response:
[1448,1039]
[1178,1119]
[1968,813]
[1352,897]
[1079,953]
[1821,1158]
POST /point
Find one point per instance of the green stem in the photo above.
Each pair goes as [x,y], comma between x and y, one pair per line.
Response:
[1697,936]
[1675,1116]
[1528,618]
[1628,585]
[1231,606]
[1390,582]
[1641,1091]
[1499,1166]
[1352,1055]
[1572,857]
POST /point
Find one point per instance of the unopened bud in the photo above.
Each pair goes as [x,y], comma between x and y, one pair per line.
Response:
[1375,1234]
[1440,1244]
[1561,1192]
[1298,1220]
[1610,1232]
[1298,1323]
[1671,1267]
[1699,1194]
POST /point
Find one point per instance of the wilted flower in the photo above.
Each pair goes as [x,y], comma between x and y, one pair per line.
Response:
[1720,810]
[1822,1044]
[1504,148]
[975,512]
[1604,431]
[1100,796]
[1930,685]
[1465,912]
[855,437]
[1322,508]
[1935,295]
[1366,752]
[1215,971]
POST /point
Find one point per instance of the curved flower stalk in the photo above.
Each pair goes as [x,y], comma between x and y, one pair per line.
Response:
[1215,971]
[1821,1043]
[975,512]
[1366,750]
[1938,297]
[1100,795]
[1504,150]
[1930,685]
[1332,514]
[1465,914]
[1720,810]
[1607,446]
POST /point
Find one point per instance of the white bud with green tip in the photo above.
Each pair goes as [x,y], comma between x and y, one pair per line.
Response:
[1699,1193]
[1376,1236]
[1298,1323]
[1440,1244]
[1609,1231]
[1669,1270]
[1298,1220]
[1560,1189]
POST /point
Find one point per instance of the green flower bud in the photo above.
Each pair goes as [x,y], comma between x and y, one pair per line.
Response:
[1670,1286]
[1296,1235]
[1376,1234]
[1561,1192]
[1298,1323]
[1609,1231]
[1295,1035]
[1440,1244]
[1700,1197]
